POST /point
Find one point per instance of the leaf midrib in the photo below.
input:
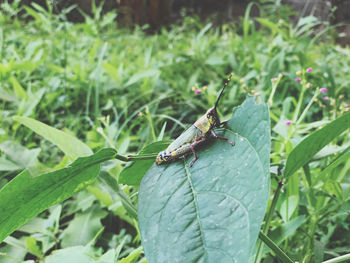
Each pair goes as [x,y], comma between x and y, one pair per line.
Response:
[194,194]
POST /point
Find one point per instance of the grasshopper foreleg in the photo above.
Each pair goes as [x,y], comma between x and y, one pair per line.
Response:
[221,138]
[194,144]
[223,122]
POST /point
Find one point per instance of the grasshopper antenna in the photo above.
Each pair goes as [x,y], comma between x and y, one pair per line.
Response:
[222,91]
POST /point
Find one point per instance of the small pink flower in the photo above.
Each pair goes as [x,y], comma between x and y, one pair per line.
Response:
[309,70]
[297,79]
[325,98]
[288,123]
[323,90]
[197,91]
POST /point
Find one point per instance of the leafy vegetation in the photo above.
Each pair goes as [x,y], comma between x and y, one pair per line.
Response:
[94,85]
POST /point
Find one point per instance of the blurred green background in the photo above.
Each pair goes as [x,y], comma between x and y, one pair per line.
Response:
[121,77]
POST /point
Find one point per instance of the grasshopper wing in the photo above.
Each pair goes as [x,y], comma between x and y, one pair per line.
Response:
[189,135]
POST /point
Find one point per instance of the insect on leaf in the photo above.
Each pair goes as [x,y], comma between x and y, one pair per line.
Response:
[213,210]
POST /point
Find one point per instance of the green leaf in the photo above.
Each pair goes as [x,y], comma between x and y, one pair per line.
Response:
[141,75]
[5,95]
[215,60]
[27,108]
[33,247]
[69,144]
[133,173]
[252,121]
[267,23]
[114,187]
[344,156]
[18,89]
[6,165]
[132,256]
[71,255]
[279,252]
[213,210]
[26,196]
[284,231]
[11,253]
[288,207]
[83,227]
[108,257]
[19,155]
[313,143]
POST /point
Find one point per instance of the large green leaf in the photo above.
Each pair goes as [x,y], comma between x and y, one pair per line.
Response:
[213,210]
[26,196]
[69,144]
[313,143]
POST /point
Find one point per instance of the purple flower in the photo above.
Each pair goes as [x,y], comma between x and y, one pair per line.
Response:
[309,70]
[297,79]
[288,123]
[197,91]
[325,98]
[323,90]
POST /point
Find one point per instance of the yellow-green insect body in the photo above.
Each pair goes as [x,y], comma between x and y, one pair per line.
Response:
[197,134]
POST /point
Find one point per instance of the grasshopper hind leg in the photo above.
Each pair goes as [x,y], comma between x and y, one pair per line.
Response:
[194,144]
[195,156]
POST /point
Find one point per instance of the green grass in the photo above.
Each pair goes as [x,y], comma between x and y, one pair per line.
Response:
[113,87]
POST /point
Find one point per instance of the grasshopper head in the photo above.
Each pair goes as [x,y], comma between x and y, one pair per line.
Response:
[212,114]
[213,117]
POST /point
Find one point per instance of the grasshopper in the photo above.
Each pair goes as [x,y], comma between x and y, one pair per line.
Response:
[196,135]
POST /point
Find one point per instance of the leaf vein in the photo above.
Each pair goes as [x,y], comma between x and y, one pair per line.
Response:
[196,207]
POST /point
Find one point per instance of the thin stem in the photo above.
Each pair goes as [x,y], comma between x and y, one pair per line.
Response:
[100,131]
[275,82]
[129,157]
[310,241]
[303,114]
[149,118]
[300,102]
[139,157]
[129,206]
[122,158]
[301,98]
[98,76]
[343,258]
[268,220]
[279,252]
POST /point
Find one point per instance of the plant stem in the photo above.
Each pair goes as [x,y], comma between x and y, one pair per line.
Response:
[268,220]
[310,241]
[303,114]
[125,199]
[343,258]
[137,157]
[300,102]
[149,118]
[279,252]
[274,87]
[122,158]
